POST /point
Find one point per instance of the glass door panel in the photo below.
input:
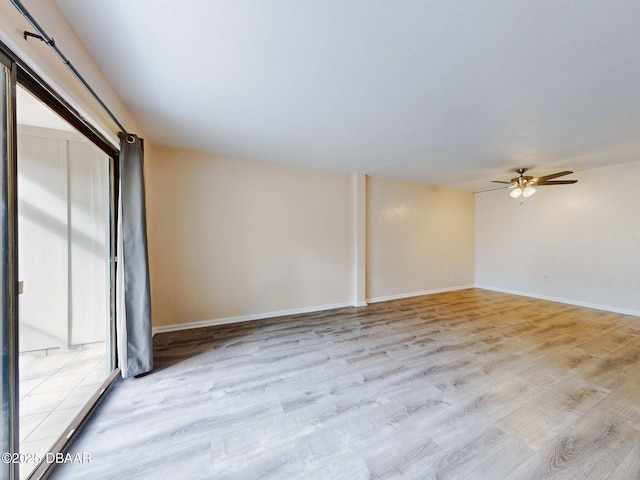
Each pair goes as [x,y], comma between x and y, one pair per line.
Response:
[64,248]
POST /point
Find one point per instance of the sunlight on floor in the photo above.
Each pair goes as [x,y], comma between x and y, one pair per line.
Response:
[54,386]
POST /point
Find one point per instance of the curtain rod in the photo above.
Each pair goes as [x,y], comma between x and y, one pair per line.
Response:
[42,35]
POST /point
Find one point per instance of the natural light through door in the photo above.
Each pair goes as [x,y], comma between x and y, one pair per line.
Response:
[64,251]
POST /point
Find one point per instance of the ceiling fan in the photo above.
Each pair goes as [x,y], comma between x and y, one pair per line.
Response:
[525,184]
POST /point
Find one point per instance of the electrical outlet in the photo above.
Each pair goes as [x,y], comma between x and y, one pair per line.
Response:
[262,290]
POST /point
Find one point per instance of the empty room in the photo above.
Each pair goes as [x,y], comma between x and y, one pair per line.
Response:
[320,240]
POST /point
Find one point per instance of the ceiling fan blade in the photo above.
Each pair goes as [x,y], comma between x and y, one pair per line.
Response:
[553,175]
[499,181]
[490,190]
[556,182]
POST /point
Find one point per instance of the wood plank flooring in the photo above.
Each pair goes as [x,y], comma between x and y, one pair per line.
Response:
[466,385]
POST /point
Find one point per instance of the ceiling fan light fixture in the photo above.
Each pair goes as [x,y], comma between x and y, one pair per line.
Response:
[516,192]
[524,185]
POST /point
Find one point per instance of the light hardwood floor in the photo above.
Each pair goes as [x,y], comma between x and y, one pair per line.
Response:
[465,385]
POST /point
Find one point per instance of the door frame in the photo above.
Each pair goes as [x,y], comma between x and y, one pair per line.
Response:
[9,273]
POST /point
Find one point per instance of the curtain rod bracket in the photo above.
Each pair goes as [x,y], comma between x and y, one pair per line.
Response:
[26,36]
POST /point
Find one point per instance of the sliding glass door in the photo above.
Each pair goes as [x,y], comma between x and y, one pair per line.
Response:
[64,247]
[56,273]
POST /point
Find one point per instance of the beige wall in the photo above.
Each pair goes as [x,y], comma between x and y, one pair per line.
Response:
[585,238]
[419,238]
[220,228]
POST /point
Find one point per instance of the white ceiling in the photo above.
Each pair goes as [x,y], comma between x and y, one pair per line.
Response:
[451,93]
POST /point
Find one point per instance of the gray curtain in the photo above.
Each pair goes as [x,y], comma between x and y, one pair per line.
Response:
[133,298]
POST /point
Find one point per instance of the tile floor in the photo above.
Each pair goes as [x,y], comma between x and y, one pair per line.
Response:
[54,386]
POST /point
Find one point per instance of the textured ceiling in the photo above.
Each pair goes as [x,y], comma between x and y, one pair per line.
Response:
[452,93]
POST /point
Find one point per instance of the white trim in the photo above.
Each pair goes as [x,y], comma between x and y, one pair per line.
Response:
[359,238]
[319,308]
[418,294]
[577,303]
[248,318]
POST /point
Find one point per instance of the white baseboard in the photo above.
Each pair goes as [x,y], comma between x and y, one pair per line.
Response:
[248,318]
[296,311]
[319,308]
[577,303]
[417,294]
